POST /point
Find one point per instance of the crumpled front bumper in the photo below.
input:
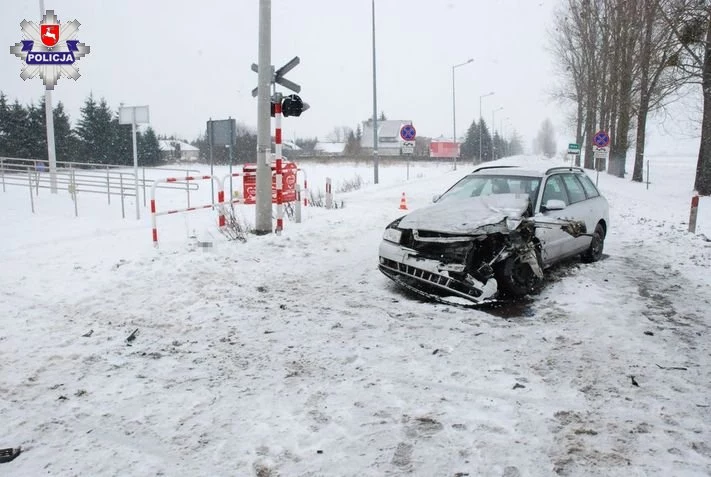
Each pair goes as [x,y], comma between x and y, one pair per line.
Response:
[402,264]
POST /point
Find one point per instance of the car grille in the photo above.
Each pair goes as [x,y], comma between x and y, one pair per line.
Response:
[388,267]
[445,252]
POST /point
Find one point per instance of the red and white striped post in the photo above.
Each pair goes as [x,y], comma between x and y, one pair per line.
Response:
[279,176]
[694,212]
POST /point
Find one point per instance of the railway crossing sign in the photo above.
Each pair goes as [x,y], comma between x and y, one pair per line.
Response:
[278,76]
[408,133]
[601,139]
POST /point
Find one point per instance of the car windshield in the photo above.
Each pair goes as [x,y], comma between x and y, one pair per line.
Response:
[482,185]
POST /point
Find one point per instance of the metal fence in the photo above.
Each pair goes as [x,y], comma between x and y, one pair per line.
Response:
[74,177]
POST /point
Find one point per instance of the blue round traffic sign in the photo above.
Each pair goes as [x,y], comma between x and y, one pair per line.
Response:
[601,139]
[407,132]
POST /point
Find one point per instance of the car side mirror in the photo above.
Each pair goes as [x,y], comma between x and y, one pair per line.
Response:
[436,197]
[554,204]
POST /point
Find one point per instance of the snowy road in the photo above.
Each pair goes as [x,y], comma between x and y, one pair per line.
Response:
[293,355]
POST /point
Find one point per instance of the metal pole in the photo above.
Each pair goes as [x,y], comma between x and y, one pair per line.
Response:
[454,122]
[297,205]
[32,199]
[135,164]
[123,211]
[232,139]
[108,185]
[2,172]
[454,113]
[49,115]
[74,193]
[209,147]
[144,186]
[647,174]
[263,209]
[187,186]
[375,107]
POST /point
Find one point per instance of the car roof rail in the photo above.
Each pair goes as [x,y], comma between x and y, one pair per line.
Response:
[565,168]
[491,167]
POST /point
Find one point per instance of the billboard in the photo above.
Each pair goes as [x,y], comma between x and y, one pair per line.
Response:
[444,149]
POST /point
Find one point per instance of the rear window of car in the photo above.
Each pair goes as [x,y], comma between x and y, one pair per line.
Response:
[575,188]
[590,189]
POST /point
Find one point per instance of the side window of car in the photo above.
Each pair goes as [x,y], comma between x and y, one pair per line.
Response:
[575,188]
[555,190]
[590,189]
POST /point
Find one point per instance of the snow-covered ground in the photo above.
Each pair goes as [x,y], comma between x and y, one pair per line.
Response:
[292,355]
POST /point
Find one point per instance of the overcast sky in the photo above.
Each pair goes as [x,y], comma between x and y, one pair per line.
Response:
[190,60]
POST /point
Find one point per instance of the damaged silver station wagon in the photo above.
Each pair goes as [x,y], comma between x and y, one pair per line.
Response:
[494,232]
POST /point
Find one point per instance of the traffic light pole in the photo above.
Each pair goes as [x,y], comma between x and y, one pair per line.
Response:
[263,219]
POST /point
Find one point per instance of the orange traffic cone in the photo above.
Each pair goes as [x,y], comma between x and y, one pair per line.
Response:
[403,202]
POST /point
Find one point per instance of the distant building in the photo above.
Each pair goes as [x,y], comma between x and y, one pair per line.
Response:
[329,148]
[389,140]
[173,150]
[444,147]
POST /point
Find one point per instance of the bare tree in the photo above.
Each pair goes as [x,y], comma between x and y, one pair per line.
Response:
[690,20]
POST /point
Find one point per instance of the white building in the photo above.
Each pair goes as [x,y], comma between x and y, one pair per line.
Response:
[173,150]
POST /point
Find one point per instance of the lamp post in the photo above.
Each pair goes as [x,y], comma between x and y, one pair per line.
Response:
[375,108]
[480,121]
[49,121]
[454,112]
[493,129]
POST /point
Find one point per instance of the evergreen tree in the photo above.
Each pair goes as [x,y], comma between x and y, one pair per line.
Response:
[485,139]
[382,116]
[17,135]
[470,148]
[96,132]
[148,148]
[121,144]
[201,144]
[37,148]
[88,151]
[4,124]
[65,141]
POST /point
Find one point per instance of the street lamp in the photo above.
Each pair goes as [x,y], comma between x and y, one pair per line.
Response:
[480,121]
[493,129]
[375,106]
[454,113]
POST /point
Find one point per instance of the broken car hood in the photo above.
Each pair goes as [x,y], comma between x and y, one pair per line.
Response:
[468,216]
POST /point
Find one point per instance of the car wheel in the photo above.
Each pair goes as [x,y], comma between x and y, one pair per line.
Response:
[594,253]
[515,278]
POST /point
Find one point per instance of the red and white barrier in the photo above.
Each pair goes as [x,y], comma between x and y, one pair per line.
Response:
[220,201]
[694,212]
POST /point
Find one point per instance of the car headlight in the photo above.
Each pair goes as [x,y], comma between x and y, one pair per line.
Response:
[392,235]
